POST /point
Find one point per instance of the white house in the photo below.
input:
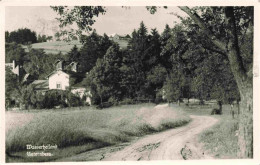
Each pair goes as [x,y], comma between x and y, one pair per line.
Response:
[62,78]
[59,80]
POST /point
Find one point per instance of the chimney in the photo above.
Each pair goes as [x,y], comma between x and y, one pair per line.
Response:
[59,65]
[13,64]
[74,67]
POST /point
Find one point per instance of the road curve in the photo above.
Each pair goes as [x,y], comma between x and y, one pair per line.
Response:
[175,144]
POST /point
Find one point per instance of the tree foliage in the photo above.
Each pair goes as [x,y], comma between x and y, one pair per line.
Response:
[95,46]
[39,64]
[14,51]
[21,36]
[82,16]
[234,23]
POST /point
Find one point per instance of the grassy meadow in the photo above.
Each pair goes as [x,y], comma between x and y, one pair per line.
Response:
[76,131]
[64,47]
[55,46]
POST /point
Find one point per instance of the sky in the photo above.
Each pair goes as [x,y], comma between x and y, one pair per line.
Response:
[41,19]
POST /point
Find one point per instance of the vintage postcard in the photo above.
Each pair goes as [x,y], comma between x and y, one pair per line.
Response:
[130,81]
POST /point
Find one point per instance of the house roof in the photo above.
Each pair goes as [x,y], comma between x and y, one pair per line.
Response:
[55,72]
[26,77]
[73,63]
[79,85]
[65,63]
[41,84]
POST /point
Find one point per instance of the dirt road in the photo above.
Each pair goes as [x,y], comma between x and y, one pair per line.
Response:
[175,144]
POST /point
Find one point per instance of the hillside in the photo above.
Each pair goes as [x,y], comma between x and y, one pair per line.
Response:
[64,47]
[55,46]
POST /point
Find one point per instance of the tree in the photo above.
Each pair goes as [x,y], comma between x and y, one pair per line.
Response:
[43,38]
[11,83]
[174,86]
[22,36]
[166,52]
[94,47]
[7,36]
[14,51]
[113,63]
[57,36]
[73,55]
[98,82]
[155,72]
[83,16]
[230,45]
[49,38]
[225,30]
[39,64]
[105,77]
[176,61]
[27,96]
[137,60]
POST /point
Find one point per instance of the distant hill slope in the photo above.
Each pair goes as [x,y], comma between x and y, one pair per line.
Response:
[64,47]
[55,46]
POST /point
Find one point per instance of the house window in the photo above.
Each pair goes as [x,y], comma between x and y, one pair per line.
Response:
[58,85]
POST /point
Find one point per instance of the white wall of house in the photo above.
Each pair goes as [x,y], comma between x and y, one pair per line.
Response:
[59,80]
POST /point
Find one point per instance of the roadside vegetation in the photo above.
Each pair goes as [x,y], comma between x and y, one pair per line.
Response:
[82,130]
[220,141]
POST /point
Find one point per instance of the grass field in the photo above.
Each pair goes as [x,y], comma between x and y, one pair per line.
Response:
[64,47]
[77,131]
[56,46]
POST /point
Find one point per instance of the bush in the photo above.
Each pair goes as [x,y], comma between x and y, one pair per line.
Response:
[113,100]
[127,101]
[54,98]
[74,100]
[158,99]
[104,105]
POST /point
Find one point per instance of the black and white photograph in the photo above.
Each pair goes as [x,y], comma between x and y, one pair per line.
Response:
[128,83]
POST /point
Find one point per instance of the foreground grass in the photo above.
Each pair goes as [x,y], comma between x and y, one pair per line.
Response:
[220,140]
[82,130]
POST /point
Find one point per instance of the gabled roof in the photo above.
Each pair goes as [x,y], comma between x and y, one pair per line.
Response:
[58,61]
[79,85]
[55,72]
[41,84]
[73,63]
[26,77]
[65,63]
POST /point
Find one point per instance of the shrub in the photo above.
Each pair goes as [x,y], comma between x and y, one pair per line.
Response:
[54,98]
[74,100]
[113,100]
[127,101]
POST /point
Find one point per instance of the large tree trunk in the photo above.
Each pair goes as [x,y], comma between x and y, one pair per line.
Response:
[245,138]
[244,82]
[245,86]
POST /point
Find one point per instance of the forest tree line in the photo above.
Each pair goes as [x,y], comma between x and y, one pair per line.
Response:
[153,66]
